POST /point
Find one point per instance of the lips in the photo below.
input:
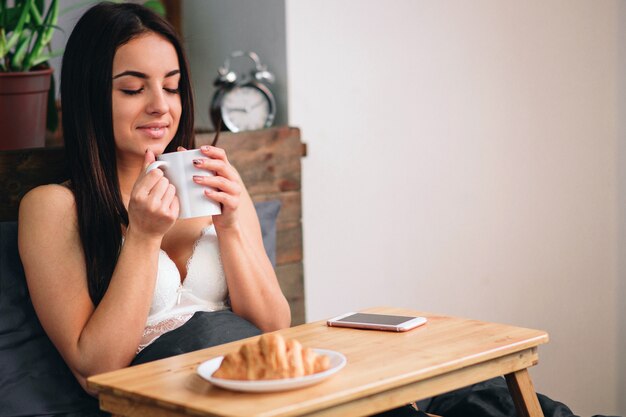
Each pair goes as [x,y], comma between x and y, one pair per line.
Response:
[154,130]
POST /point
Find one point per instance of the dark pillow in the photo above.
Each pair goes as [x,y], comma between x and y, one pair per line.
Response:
[268,212]
[34,379]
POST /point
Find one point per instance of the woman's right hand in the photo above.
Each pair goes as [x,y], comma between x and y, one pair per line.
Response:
[153,206]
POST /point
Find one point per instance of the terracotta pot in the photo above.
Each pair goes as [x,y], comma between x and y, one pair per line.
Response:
[23,105]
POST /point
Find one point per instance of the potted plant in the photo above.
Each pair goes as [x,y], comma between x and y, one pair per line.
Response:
[26,30]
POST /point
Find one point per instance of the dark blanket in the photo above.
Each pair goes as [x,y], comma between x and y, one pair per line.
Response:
[203,330]
[490,398]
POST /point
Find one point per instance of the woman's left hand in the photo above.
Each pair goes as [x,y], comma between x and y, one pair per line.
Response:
[226,183]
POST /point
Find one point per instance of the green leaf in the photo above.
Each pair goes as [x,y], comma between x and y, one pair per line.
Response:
[51,21]
[156,6]
[26,29]
[40,4]
[46,57]
[35,12]
[44,36]
[10,18]
[19,27]
[34,52]
[20,53]
[4,49]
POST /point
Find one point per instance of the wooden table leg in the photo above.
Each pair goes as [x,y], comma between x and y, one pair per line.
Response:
[523,393]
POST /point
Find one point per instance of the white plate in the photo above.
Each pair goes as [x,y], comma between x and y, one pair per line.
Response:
[206,370]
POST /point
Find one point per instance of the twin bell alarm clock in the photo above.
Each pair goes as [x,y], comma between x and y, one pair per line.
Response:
[243,101]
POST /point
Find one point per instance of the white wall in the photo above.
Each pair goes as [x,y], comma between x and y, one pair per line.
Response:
[462,158]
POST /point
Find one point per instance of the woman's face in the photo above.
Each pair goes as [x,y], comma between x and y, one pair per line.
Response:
[146,99]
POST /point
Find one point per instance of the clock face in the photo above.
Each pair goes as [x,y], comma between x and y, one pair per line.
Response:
[246,108]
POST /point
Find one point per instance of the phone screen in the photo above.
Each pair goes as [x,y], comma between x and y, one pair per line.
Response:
[375,319]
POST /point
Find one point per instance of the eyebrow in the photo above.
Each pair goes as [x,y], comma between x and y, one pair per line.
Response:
[142,75]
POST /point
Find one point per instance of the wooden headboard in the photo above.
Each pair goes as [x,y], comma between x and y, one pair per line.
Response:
[268,161]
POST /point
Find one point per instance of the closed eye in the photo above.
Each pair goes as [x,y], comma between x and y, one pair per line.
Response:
[172,90]
[132,92]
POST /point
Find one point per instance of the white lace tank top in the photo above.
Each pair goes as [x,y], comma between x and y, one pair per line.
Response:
[204,288]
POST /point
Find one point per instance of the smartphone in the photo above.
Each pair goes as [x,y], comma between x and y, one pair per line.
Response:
[376,321]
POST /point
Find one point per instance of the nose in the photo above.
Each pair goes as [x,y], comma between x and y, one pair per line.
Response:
[157,102]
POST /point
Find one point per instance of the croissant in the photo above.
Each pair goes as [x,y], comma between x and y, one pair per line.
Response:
[271,358]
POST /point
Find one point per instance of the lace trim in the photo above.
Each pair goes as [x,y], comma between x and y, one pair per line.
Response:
[151,333]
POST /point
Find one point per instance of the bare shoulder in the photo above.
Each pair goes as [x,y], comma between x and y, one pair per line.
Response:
[47,201]
[47,210]
[55,193]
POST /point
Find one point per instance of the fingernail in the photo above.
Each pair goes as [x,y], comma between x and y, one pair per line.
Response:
[206,147]
[197,161]
[197,178]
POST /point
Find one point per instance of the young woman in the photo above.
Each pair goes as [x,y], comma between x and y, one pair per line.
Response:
[114,276]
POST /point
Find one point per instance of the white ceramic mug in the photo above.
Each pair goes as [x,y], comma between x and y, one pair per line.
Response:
[179,169]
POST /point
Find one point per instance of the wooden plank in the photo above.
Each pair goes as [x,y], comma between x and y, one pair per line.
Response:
[298,315]
[288,242]
[267,160]
[291,280]
[22,170]
[523,393]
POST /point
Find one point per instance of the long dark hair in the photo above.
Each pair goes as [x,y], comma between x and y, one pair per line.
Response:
[86,88]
